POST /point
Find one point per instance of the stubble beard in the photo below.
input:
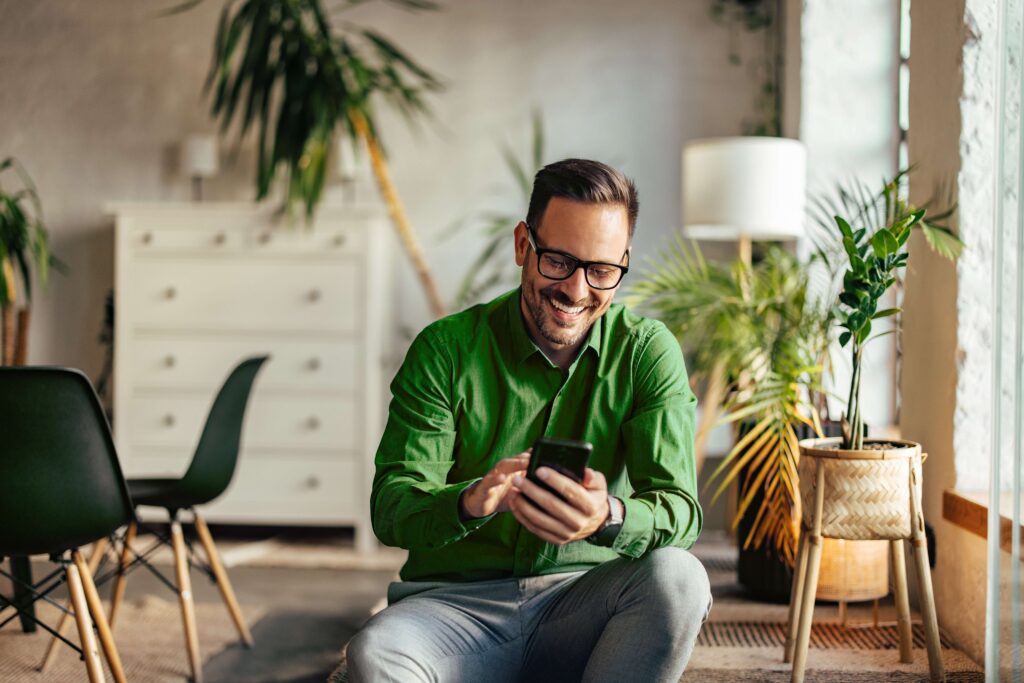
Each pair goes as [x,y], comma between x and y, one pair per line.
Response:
[553,330]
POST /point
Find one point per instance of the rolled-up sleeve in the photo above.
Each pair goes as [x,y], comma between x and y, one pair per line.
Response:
[658,438]
[411,503]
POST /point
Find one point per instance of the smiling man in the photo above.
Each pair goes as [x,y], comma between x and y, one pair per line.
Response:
[505,580]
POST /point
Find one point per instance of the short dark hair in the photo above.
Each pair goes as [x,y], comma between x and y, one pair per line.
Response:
[582,180]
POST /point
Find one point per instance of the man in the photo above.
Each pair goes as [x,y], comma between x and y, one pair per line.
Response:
[506,581]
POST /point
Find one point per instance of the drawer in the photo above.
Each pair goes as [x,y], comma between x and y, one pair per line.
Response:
[260,237]
[155,240]
[271,421]
[248,295]
[278,489]
[298,239]
[164,361]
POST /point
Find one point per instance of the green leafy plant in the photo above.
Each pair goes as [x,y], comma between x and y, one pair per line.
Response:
[757,326]
[873,256]
[24,246]
[493,267]
[284,67]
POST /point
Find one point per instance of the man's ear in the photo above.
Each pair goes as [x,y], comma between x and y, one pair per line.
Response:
[522,243]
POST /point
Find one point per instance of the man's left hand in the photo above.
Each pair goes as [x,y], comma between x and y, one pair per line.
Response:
[577,514]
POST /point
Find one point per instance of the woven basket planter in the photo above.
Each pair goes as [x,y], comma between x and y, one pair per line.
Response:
[866,492]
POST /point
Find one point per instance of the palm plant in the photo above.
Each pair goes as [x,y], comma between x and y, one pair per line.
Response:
[23,245]
[492,266]
[282,66]
[758,326]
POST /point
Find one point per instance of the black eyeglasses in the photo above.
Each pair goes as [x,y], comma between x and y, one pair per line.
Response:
[558,265]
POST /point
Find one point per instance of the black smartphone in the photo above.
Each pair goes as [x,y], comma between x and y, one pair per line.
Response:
[565,456]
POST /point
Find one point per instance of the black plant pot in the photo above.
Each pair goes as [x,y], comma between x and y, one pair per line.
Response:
[762,572]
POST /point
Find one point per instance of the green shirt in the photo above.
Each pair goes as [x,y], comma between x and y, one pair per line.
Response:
[474,389]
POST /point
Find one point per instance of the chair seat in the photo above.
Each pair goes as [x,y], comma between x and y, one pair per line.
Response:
[164,493]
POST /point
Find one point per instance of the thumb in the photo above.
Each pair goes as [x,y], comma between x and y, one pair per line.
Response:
[594,480]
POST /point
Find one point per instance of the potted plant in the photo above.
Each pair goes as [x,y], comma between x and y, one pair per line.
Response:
[284,66]
[24,245]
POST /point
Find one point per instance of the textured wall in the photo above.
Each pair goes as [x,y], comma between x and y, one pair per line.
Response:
[946,319]
[97,94]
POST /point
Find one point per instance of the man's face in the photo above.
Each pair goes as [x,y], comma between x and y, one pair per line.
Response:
[562,311]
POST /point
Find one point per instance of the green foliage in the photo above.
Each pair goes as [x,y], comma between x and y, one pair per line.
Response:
[871,259]
[23,237]
[759,323]
[493,265]
[279,65]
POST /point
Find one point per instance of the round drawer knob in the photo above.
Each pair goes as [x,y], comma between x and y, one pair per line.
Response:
[313,423]
[315,295]
[314,364]
[169,420]
[220,238]
[264,238]
[171,292]
[338,241]
[312,482]
[170,361]
[147,238]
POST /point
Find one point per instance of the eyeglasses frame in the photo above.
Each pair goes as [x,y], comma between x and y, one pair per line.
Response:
[531,236]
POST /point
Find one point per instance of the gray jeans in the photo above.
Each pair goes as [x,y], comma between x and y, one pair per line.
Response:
[622,620]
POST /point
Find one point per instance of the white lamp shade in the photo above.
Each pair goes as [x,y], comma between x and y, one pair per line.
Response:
[200,156]
[744,186]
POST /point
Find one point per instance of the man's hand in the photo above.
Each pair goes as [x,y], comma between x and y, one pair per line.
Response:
[583,510]
[490,494]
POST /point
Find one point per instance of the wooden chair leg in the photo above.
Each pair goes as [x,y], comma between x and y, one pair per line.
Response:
[931,624]
[803,637]
[122,578]
[221,575]
[96,610]
[88,641]
[799,577]
[899,579]
[98,549]
[188,612]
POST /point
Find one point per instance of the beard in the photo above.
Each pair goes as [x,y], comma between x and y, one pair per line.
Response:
[552,329]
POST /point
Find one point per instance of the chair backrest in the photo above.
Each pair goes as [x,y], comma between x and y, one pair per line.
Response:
[213,464]
[61,485]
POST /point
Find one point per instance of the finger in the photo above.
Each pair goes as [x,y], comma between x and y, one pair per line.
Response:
[513,464]
[540,523]
[569,489]
[551,503]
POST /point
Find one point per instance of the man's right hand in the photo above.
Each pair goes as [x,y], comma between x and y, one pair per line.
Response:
[490,494]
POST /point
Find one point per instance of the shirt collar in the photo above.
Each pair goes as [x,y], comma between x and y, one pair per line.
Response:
[520,344]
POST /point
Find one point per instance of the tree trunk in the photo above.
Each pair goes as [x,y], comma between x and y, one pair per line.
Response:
[7,315]
[21,340]
[398,216]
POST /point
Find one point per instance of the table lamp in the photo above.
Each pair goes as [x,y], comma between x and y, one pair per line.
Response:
[743,189]
[199,161]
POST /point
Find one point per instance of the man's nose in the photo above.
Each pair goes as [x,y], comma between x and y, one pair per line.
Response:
[576,287]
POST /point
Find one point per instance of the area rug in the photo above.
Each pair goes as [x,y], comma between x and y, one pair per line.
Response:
[149,640]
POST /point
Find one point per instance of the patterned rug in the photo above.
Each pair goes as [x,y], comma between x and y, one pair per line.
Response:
[149,639]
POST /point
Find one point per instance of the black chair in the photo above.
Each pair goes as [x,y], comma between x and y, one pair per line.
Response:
[209,474]
[61,487]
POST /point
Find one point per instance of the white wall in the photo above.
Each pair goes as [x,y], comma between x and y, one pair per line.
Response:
[849,63]
[97,94]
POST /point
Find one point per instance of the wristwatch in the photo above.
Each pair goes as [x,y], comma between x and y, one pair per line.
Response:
[607,532]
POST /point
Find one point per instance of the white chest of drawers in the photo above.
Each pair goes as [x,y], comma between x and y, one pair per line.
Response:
[199,287]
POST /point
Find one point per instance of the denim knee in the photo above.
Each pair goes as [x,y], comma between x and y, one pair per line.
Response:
[678,580]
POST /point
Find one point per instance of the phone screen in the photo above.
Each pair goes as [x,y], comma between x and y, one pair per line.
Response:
[565,456]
